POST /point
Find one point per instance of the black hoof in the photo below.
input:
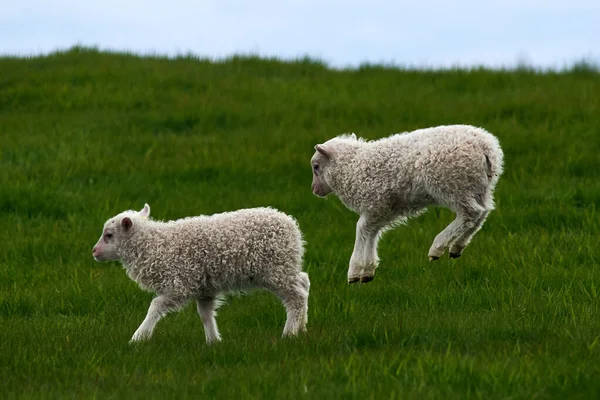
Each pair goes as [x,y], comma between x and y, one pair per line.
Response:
[365,279]
[433,258]
[455,255]
[353,280]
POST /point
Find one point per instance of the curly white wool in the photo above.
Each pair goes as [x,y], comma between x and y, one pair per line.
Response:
[202,258]
[390,179]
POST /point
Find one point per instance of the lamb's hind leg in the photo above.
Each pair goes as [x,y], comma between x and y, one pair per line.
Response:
[160,306]
[294,295]
[305,282]
[206,309]
[464,222]
[459,244]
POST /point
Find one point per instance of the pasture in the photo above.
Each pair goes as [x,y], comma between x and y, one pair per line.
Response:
[86,134]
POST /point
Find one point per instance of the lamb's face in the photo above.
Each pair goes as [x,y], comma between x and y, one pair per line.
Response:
[319,163]
[106,247]
[115,229]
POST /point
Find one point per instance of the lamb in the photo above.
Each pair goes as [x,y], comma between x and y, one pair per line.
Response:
[386,181]
[202,258]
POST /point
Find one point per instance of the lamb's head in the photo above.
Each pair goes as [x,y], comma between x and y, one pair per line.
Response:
[116,229]
[320,161]
[325,158]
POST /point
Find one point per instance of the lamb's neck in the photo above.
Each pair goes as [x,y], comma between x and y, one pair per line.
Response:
[342,180]
[137,253]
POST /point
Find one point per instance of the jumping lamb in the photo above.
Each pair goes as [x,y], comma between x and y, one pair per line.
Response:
[203,258]
[386,181]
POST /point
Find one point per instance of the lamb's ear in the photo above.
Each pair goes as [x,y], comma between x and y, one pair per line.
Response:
[126,223]
[325,150]
[145,212]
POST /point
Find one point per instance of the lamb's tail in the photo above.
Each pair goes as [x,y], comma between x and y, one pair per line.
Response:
[493,168]
[492,165]
[494,160]
[304,281]
[489,170]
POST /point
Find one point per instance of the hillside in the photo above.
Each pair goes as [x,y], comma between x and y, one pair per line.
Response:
[85,135]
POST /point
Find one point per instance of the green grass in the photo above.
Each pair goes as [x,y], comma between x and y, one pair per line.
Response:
[85,135]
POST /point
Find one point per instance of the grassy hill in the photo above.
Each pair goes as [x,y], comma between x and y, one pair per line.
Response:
[85,135]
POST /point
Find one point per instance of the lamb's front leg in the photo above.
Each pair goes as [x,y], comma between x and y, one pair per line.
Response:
[206,309]
[159,307]
[364,258]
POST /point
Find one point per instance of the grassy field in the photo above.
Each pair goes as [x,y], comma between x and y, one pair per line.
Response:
[85,135]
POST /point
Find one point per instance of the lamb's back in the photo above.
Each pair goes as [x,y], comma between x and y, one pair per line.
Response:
[402,168]
[235,231]
[227,251]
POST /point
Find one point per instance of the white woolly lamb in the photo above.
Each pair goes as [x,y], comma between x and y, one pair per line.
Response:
[201,258]
[388,180]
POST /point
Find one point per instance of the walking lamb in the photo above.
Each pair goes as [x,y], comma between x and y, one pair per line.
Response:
[201,258]
[386,181]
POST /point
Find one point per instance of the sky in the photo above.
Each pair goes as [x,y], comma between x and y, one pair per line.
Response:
[416,33]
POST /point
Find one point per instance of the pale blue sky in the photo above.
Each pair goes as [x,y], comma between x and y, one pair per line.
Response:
[438,33]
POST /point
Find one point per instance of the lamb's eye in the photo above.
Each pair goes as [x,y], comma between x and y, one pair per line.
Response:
[316,167]
[108,235]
